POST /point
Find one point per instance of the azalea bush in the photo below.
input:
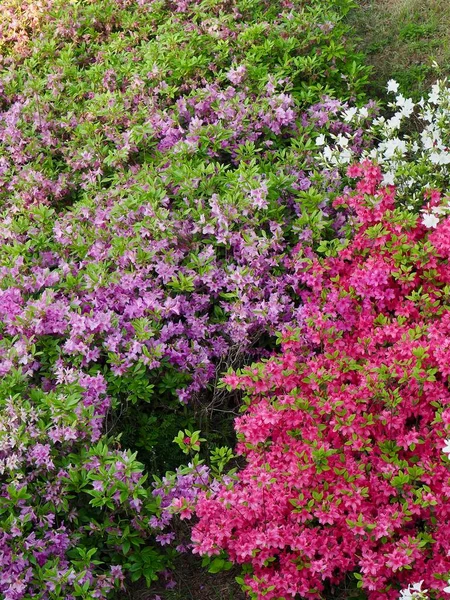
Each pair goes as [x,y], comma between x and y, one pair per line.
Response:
[343,432]
[72,503]
[110,84]
[154,211]
[174,193]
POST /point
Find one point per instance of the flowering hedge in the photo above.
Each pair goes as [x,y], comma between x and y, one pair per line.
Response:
[165,211]
[154,211]
[156,169]
[344,431]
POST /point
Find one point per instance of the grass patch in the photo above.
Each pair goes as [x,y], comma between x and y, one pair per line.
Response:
[404,39]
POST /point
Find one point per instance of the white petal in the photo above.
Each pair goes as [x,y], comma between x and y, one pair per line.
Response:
[320,140]
[392,86]
[431,221]
[389,178]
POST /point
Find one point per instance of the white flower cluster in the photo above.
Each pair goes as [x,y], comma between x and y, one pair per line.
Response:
[414,591]
[430,217]
[412,146]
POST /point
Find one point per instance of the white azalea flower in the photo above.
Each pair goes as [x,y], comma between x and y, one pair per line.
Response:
[389,178]
[413,592]
[400,100]
[392,86]
[427,140]
[327,152]
[431,221]
[439,210]
[407,107]
[418,587]
[349,114]
[435,93]
[393,147]
[446,448]
[364,112]
[395,121]
[345,156]
[342,141]
[320,140]
[440,158]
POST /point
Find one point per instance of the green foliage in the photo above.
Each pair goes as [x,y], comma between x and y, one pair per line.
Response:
[152,432]
[144,563]
[217,564]
[219,458]
[189,441]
